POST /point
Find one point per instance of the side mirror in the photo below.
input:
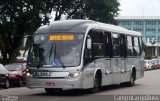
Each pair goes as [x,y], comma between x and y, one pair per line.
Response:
[26,41]
[89,43]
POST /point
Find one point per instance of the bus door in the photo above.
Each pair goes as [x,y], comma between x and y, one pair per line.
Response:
[108,68]
[94,58]
[116,58]
[129,59]
[123,70]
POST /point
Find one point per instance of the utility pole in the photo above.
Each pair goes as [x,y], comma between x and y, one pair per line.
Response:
[152,42]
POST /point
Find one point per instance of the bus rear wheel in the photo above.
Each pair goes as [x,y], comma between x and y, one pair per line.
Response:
[132,80]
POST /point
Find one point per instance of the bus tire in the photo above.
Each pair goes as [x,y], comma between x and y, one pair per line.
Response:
[132,79]
[52,90]
[96,84]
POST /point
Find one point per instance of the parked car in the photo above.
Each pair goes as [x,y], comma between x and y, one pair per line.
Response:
[154,63]
[158,64]
[4,77]
[148,65]
[16,73]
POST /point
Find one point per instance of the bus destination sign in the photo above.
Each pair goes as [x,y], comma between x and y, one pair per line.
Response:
[61,37]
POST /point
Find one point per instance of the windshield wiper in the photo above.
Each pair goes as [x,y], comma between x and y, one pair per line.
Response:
[39,55]
[41,58]
[50,52]
[56,55]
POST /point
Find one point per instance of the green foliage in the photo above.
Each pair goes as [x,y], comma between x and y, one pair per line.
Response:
[21,17]
[98,10]
[17,18]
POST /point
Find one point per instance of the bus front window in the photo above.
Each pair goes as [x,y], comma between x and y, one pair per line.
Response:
[57,50]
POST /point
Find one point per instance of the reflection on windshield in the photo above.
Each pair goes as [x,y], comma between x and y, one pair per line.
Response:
[55,52]
[13,67]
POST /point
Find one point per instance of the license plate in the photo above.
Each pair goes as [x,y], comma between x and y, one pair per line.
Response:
[42,74]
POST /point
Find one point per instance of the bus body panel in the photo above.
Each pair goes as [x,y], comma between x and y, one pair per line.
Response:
[60,80]
[134,63]
[88,72]
[108,73]
[65,84]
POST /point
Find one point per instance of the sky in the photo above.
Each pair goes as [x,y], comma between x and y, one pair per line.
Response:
[139,8]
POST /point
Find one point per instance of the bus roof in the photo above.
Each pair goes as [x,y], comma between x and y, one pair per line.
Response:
[80,26]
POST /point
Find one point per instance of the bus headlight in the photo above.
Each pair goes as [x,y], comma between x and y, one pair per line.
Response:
[28,74]
[75,74]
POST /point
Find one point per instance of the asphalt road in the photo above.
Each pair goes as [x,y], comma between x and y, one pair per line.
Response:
[147,86]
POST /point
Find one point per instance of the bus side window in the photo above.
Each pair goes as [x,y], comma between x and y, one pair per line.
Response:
[123,45]
[107,42]
[136,46]
[140,45]
[88,57]
[97,43]
[129,46]
[116,44]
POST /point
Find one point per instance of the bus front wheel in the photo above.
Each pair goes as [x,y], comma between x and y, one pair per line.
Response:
[52,90]
[96,84]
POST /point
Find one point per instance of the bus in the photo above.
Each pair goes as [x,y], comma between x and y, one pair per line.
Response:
[83,54]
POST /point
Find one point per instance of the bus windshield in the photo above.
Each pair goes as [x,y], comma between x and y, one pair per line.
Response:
[57,50]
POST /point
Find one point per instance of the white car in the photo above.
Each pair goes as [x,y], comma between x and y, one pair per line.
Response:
[4,77]
[148,64]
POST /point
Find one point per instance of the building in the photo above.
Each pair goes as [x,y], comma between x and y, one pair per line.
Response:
[149,26]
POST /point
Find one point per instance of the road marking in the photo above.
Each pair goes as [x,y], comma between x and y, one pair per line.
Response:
[56,99]
[13,89]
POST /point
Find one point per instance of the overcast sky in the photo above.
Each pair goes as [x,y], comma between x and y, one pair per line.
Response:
[139,7]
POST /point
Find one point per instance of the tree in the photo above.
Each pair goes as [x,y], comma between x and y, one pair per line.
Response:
[17,18]
[21,17]
[103,11]
[98,10]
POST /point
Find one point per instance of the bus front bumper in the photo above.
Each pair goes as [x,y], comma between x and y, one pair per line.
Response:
[65,84]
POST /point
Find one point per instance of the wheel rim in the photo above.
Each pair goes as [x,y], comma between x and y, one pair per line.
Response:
[7,83]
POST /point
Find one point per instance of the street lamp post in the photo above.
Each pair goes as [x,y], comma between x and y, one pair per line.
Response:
[152,42]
